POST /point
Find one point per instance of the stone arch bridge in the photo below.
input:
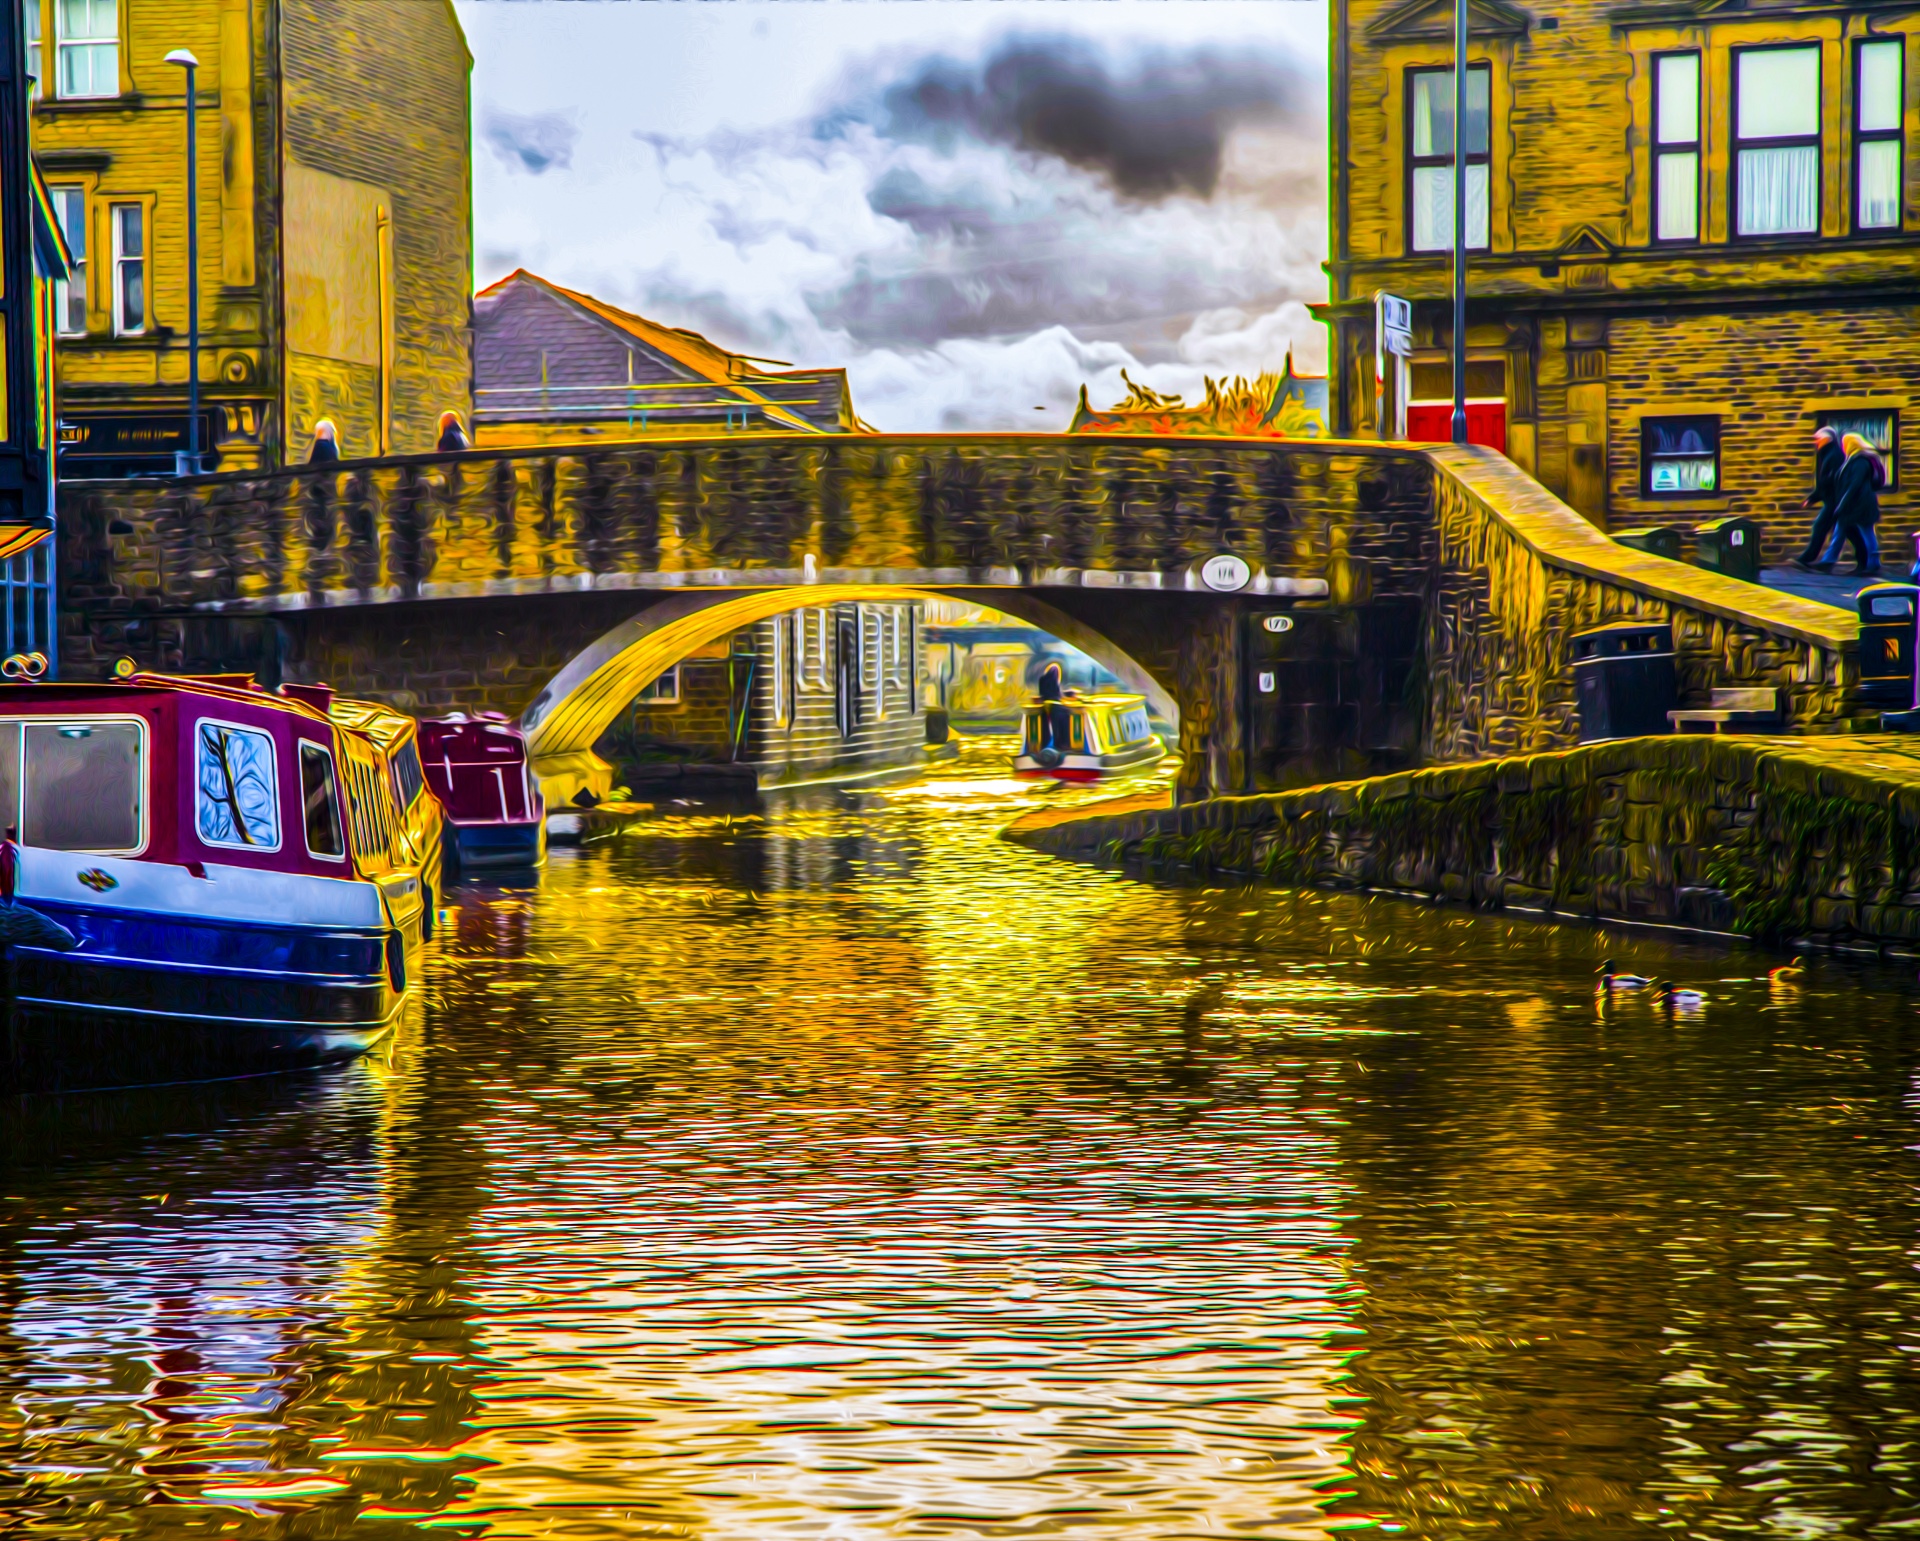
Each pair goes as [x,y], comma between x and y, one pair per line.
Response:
[1432,593]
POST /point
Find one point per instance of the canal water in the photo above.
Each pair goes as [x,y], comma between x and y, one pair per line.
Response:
[838,1170]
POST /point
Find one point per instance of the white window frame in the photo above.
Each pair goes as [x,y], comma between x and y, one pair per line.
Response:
[817,683]
[1680,149]
[781,663]
[1894,135]
[16,816]
[1744,146]
[342,809]
[665,687]
[122,262]
[65,290]
[273,775]
[35,47]
[92,45]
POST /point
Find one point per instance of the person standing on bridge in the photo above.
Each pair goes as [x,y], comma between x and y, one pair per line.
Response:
[326,444]
[453,437]
[1856,509]
[1828,458]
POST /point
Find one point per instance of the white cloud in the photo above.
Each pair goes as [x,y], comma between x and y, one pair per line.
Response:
[961,281]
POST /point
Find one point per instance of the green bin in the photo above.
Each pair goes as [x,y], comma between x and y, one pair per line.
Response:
[1656,539]
[1730,546]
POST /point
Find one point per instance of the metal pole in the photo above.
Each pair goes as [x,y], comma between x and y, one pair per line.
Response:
[193,274]
[1459,221]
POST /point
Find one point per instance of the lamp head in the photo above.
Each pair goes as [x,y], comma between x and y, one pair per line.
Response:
[184,58]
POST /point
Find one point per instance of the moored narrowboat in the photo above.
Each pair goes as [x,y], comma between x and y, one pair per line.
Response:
[226,863]
[1086,737]
[420,823]
[477,767]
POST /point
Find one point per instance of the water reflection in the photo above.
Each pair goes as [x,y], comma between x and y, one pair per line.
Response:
[833,1169]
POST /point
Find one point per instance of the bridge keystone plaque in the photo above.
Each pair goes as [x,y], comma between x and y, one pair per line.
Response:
[1226,573]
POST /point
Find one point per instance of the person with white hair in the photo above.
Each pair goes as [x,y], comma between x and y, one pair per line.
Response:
[326,444]
[1856,508]
[1828,458]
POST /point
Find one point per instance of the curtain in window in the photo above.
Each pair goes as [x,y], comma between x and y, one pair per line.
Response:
[1433,207]
[1780,191]
[1880,184]
[1678,197]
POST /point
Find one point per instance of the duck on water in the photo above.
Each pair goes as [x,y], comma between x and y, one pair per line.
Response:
[243,879]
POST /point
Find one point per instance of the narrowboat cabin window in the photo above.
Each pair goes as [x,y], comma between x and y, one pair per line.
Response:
[1680,457]
[1777,140]
[409,780]
[320,798]
[84,787]
[234,798]
[1879,427]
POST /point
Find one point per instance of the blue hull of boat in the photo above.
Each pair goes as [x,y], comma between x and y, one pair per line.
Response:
[150,997]
[492,847]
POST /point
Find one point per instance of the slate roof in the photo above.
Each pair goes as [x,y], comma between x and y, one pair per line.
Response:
[543,353]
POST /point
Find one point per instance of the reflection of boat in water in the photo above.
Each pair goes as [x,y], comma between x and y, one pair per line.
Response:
[477,767]
[228,862]
[1094,736]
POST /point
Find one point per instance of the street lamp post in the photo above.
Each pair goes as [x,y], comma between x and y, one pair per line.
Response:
[190,466]
[1459,221]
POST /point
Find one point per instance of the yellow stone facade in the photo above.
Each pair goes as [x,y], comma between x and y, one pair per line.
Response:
[1599,336]
[335,222]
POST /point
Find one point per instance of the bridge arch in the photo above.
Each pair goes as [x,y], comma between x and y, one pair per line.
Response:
[581,701]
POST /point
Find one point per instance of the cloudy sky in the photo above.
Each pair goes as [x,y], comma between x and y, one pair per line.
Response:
[974,205]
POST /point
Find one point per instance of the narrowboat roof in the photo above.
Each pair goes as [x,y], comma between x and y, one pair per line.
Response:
[217,687]
[381,723]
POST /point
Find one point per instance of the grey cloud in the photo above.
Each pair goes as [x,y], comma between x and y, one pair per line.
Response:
[531,142]
[1153,127]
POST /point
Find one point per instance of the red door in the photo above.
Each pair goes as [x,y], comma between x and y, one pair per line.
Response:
[1431,422]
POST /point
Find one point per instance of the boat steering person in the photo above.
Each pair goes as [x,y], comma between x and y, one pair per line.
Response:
[1054,716]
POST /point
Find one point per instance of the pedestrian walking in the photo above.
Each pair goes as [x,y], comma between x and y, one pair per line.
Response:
[1856,509]
[1828,458]
[326,444]
[453,436]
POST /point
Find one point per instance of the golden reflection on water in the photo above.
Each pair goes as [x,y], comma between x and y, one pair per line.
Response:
[838,1170]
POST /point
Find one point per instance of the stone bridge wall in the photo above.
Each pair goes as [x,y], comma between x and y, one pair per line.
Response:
[437,581]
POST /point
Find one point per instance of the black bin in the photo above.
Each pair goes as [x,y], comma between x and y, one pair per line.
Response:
[1885,656]
[1730,546]
[1656,539]
[1623,680]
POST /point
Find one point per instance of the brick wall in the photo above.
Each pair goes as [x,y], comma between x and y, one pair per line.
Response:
[1765,374]
[377,92]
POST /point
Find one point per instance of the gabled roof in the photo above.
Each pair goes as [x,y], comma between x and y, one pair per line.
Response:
[686,350]
[1423,19]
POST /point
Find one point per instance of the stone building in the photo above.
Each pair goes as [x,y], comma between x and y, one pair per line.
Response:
[1692,229]
[827,691]
[335,222]
[552,366]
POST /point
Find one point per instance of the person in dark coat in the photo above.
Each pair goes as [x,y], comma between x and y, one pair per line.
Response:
[326,444]
[1856,508]
[453,437]
[1828,458]
[1054,716]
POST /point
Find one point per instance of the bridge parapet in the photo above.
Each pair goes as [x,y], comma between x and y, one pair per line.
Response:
[1496,574]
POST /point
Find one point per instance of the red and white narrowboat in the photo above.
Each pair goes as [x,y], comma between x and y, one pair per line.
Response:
[477,767]
[227,863]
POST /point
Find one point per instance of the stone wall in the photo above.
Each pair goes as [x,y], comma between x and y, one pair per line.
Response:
[1776,839]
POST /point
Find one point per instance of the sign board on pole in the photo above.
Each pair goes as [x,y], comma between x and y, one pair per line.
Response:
[1396,325]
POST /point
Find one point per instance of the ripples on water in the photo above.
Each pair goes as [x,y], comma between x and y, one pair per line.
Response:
[845,1172]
